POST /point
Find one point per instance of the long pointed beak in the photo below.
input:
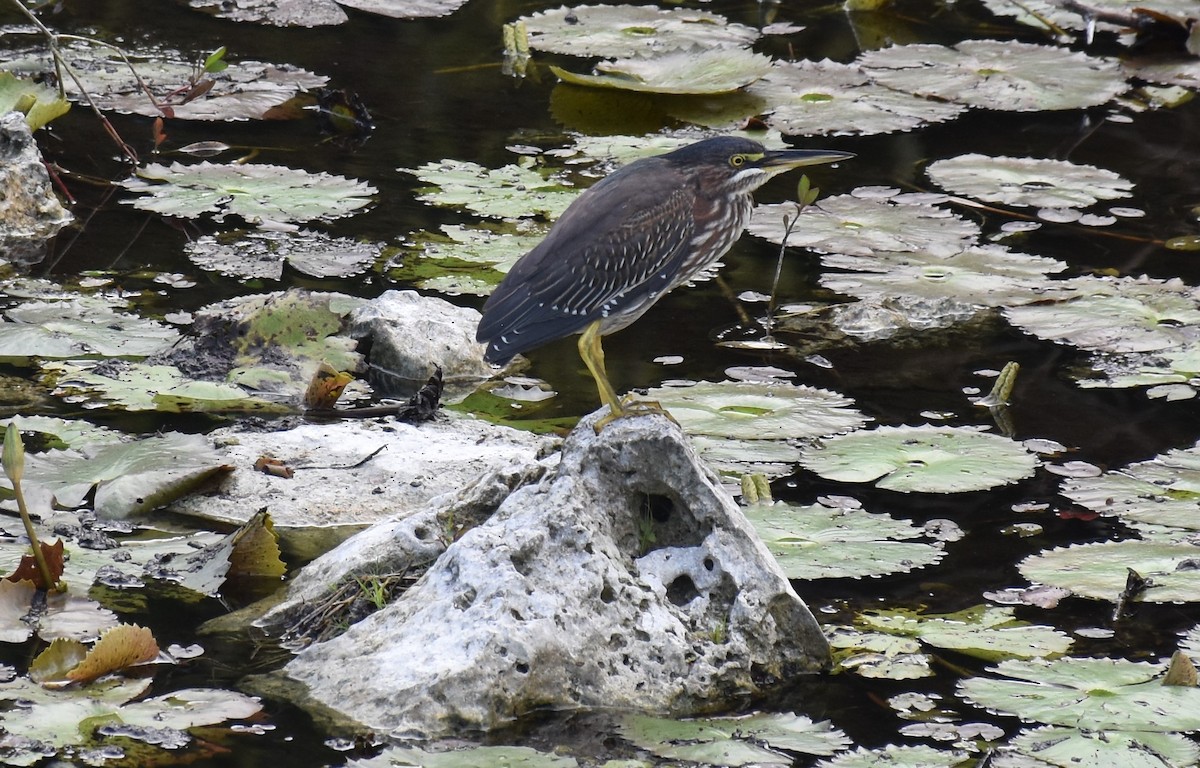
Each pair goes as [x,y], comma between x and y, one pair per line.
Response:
[779,160]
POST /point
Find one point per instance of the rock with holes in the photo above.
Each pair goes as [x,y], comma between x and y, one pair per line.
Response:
[624,578]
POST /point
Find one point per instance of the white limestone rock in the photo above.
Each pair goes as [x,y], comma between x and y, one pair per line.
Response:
[30,213]
[563,599]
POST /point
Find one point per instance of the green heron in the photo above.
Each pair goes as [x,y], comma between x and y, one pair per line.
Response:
[624,243]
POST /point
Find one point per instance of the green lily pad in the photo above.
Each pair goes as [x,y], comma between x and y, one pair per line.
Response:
[893,756]
[511,192]
[244,90]
[758,411]
[867,222]
[994,74]
[259,194]
[733,741]
[980,276]
[39,103]
[460,259]
[263,254]
[145,387]
[124,478]
[1026,181]
[1101,570]
[1089,694]
[1068,748]
[1116,315]
[82,326]
[65,432]
[877,654]
[708,71]
[628,30]
[472,757]
[985,632]
[1164,490]
[825,98]
[925,459]
[820,542]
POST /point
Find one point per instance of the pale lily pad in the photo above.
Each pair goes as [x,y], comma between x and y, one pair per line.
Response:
[878,654]
[1101,570]
[825,98]
[626,30]
[1068,748]
[1089,694]
[511,192]
[145,387]
[978,277]
[893,756]
[461,259]
[985,632]
[1037,13]
[820,542]
[263,254]
[472,757]
[247,90]
[1116,315]
[1164,490]
[1177,370]
[994,74]
[405,9]
[926,459]
[39,103]
[1028,182]
[279,13]
[758,411]
[125,478]
[865,224]
[65,432]
[259,194]
[733,741]
[83,326]
[708,71]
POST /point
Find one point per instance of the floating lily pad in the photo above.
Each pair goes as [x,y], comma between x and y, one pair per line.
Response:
[511,192]
[1028,182]
[263,254]
[65,432]
[733,741]
[926,459]
[247,90]
[758,411]
[461,259]
[83,326]
[279,13]
[610,151]
[39,103]
[627,30]
[708,71]
[1101,570]
[472,757]
[1089,694]
[866,223]
[1068,747]
[985,632]
[978,277]
[259,194]
[820,542]
[125,479]
[993,74]
[1171,373]
[1116,315]
[145,387]
[825,98]
[893,756]
[1164,490]
[877,654]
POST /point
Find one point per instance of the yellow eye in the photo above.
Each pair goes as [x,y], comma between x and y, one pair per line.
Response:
[737,161]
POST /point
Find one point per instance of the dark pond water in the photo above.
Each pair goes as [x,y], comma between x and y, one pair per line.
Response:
[435,90]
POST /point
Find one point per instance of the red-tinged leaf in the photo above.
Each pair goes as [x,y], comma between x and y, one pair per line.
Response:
[27,568]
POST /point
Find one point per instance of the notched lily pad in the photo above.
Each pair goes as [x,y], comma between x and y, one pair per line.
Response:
[472,757]
[893,756]
[626,30]
[985,632]
[706,71]
[1027,181]
[1068,747]
[1089,694]
[511,192]
[820,542]
[82,326]
[925,459]
[1164,490]
[263,254]
[734,741]
[259,194]
[460,259]
[147,387]
[994,74]
[1101,570]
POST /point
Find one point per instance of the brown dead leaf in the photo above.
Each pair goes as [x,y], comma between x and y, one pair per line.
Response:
[27,568]
[118,648]
[326,387]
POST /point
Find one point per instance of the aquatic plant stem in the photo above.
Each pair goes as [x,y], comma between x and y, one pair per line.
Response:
[14,467]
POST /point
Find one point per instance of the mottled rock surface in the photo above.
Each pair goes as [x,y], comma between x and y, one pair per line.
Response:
[30,214]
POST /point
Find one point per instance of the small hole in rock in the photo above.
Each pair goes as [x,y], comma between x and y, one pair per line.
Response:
[709,564]
[682,590]
[607,595]
[421,532]
[659,507]
[522,667]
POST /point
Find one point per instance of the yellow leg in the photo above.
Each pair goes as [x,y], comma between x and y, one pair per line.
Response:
[593,357]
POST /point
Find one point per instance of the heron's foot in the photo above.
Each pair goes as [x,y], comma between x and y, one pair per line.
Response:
[630,406]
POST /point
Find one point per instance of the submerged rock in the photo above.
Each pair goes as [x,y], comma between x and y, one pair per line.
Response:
[30,214]
[625,578]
